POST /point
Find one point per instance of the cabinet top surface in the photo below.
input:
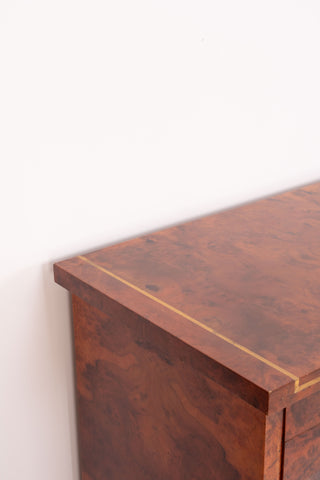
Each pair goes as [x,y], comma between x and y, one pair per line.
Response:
[242,286]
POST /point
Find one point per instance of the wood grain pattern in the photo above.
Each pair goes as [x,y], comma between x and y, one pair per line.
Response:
[242,287]
[302,456]
[303,415]
[144,413]
[274,425]
[233,370]
[256,269]
[197,347]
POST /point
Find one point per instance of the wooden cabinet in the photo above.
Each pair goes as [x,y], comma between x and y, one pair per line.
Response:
[197,348]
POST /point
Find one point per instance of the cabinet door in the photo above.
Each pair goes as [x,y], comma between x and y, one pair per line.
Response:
[302,456]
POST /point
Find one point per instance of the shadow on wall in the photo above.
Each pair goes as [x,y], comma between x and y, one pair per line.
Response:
[60,332]
[37,401]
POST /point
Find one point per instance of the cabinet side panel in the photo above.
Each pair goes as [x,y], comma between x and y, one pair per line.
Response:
[144,413]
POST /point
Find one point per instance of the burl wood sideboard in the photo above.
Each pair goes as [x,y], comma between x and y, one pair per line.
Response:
[197,347]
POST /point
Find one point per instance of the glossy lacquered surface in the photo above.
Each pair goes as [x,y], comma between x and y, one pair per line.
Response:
[302,456]
[145,412]
[303,415]
[197,347]
[241,287]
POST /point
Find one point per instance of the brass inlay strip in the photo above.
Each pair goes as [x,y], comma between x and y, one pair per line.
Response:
[307,384]
[298,387]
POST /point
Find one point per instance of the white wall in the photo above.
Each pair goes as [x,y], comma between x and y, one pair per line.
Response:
[119,117]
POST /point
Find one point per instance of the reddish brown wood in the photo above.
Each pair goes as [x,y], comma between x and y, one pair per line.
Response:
[302,456]
[145,413]
[201,351]
[251,274]
[303,415]
[274,425]
[219,314]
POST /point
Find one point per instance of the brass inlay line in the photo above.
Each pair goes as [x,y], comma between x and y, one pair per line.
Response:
[307,384]
[298,387]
